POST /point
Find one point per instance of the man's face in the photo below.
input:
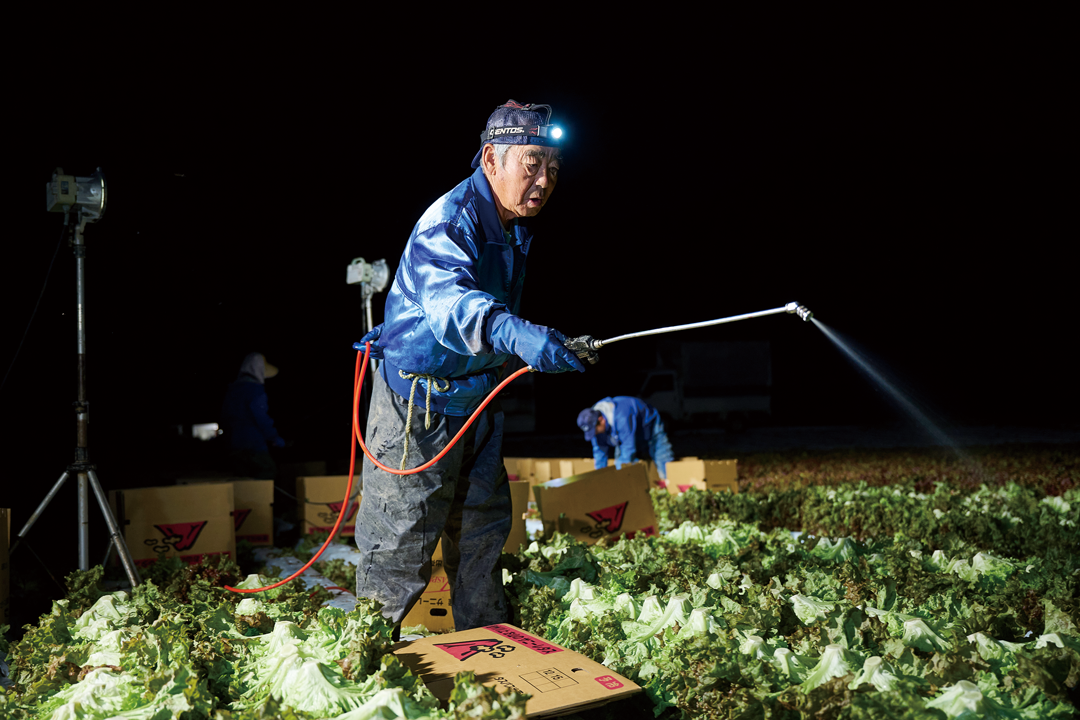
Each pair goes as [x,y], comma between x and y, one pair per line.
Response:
[526,182]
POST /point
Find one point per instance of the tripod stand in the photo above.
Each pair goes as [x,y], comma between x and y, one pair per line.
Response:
[88,196]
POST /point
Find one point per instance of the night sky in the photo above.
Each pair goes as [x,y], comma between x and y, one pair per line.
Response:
[912,206]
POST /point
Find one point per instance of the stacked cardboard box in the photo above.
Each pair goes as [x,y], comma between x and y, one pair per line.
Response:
[321,499]
[185,521]
[715,475]
[253,516]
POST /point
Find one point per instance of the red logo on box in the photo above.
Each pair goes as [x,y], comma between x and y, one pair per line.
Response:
[609,682]
[239,516]
[335,510]
[467,648]
[610,518]
[180,536]
[650,530]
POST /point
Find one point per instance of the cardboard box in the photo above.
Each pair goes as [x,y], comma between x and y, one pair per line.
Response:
[519,495]
[185,521]
[320,501]
[600,503]
[712,475]
[433,609]
[5,572]
[506,657]
[253,516]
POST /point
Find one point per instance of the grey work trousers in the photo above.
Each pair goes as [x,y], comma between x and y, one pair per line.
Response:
[464,498]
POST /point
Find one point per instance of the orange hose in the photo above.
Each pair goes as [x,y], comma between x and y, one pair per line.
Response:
[361,369]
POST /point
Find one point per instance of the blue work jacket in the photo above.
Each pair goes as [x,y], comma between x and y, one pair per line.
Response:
[458,267]
[633,427]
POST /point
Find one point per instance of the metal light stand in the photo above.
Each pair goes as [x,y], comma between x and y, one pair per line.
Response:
[85,195]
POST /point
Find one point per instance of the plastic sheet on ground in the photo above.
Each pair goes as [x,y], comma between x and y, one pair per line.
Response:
[342,598]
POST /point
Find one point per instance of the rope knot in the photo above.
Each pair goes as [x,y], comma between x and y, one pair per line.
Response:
[440,384]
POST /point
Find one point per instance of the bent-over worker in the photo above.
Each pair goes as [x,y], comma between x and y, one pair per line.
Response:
[631,426]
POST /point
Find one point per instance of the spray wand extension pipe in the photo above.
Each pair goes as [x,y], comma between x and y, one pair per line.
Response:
[586,346]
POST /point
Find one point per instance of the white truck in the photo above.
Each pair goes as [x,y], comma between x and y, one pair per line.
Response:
[726,381]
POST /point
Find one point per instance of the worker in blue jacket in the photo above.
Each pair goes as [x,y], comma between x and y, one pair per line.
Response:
[451,324]
[246,422]
[631,426]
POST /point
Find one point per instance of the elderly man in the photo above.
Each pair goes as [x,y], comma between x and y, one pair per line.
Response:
[631,426]
[450,326]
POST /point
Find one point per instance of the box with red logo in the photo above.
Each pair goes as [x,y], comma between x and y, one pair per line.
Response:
[599,503]
[5,532]
[253,516]
[321,498]
[506,657]
[185,521]
[714,475]
[433,609]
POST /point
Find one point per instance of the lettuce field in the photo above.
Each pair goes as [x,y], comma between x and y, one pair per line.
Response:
[891,584]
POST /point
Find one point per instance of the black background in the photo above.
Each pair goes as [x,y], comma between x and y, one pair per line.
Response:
[913,198]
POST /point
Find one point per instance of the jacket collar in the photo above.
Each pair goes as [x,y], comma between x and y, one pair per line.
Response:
[489,215]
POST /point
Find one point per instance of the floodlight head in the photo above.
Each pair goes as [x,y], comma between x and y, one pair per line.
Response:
[375,276]
[65,193]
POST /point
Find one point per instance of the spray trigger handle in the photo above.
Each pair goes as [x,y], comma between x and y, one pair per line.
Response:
[584,347]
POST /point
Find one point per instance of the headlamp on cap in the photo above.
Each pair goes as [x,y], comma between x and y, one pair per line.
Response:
[540,134]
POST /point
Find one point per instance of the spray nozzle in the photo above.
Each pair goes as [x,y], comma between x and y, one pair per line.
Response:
[584,347]
[800,310]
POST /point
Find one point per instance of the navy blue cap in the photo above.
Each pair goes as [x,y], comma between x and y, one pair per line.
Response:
[518,124]
[586,420]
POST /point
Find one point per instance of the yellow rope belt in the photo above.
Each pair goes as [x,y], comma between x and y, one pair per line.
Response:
[441,384]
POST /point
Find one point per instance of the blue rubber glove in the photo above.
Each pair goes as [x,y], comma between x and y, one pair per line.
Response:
[376,351]
[540,347]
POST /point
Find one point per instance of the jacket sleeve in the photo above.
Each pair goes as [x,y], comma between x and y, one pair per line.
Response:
[626,426]
[599,454]
[660,451]
[444,272]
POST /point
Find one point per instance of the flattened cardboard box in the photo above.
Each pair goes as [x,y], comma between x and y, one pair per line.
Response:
[600,503]
[320,501]
[714,475]
[186,521]
[506,657]
[253,516]
[5,573]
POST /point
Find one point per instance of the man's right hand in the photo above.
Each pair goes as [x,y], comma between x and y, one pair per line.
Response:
[540,347]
